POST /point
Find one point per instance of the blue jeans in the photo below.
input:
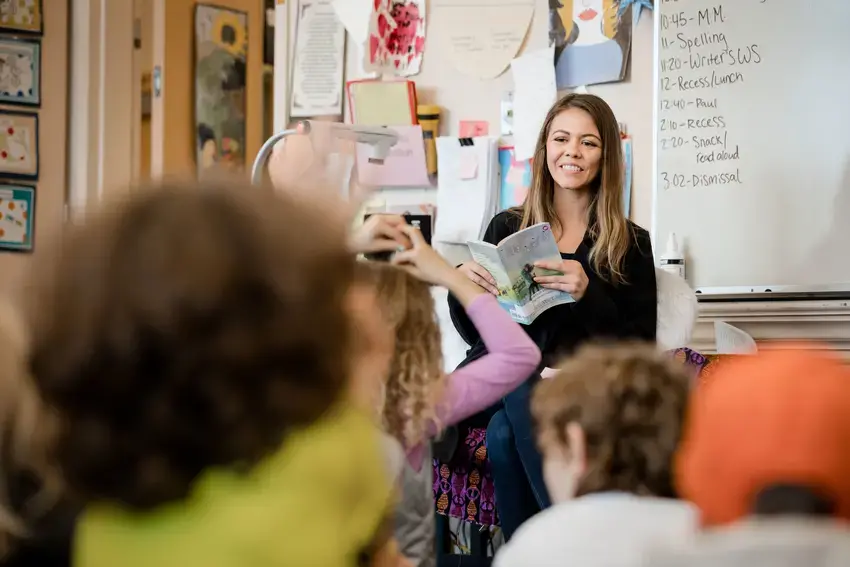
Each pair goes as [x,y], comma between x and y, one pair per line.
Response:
[514,460]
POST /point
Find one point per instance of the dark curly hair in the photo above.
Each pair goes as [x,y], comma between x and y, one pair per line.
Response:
[630,401]
[187,328]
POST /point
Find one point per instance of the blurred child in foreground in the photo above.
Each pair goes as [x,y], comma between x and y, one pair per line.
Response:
[416,398]
[765,457]
[608,424]
[201,377]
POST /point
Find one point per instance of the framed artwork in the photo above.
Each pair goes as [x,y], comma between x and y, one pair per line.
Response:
[18,145]
[17,217]
[21,16]
[20,71]
[221,53]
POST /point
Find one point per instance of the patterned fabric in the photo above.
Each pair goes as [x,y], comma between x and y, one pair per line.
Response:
[463,487]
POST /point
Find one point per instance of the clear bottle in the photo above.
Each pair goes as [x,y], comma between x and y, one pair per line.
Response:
[673,261]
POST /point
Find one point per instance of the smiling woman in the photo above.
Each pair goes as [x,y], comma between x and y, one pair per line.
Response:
[607,266]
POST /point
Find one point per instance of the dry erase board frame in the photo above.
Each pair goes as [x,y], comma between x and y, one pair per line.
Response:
[717,293]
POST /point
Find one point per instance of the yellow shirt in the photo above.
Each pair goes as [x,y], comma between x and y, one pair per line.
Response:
[317,502]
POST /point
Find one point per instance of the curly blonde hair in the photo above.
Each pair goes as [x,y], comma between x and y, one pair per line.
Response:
[416,378]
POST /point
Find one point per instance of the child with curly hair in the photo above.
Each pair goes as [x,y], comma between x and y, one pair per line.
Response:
[418,398]
[608,425]
[194,342]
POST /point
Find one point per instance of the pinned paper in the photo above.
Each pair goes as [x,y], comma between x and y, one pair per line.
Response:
[480,37]
[473,128]
[354,15]
[404,166]
[468,163]
[534,94]
[396,37]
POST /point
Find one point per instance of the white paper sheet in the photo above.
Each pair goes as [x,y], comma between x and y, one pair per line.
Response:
[480,37]
[732,340]
[354,15]
[534,94]
[465,206]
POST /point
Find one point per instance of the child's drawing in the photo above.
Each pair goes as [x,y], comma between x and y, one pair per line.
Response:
[16,217]
[18,145]
[20,71]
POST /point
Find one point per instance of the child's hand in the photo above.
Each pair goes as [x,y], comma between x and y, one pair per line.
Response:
[574,280]
[422,261]
[380,233]
[479,275]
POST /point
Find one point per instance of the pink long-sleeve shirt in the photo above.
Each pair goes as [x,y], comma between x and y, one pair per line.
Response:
[511,358]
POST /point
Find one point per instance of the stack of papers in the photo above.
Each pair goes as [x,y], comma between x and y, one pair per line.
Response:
[468,188]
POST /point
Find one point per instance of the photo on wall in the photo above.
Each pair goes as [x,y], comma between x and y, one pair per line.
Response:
[592,41]
[221,53]
[21,16]
[19,145]
[17,217]
[20,71]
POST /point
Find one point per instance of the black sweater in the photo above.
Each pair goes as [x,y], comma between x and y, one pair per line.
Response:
[607,311]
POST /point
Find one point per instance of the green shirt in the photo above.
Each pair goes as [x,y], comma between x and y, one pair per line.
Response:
[317,502]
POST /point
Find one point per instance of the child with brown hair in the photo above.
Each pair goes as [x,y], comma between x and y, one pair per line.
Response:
[608,425]
[418,398]
[35,520]
[195,343]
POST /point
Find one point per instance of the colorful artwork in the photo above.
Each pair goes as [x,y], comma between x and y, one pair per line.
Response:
[19,145]
[397,36]
[21,16]
[515,181]
[592,41]
[20,71]
[221,48]
[17,212]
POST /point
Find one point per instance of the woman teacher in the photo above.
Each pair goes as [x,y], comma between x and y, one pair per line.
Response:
[607,266]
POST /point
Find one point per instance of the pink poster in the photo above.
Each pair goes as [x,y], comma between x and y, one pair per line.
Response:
[397,37]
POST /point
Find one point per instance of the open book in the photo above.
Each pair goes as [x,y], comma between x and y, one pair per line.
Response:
[511,262]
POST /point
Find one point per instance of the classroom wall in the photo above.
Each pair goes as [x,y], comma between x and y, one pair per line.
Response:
[467,98]
[173,122]
[53,115]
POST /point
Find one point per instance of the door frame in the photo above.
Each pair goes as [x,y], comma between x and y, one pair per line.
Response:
[104,102]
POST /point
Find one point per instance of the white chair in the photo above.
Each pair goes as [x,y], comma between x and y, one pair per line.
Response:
[677,311]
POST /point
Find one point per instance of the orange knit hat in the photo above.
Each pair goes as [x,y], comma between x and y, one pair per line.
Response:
[780,417]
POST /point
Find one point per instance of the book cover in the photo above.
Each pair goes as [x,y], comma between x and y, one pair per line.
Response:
[511,263]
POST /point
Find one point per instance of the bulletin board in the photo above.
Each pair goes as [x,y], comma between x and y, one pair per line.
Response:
[463,97]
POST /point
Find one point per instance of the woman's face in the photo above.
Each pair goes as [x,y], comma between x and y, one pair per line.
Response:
[586,11]
[374,345]
[573,149]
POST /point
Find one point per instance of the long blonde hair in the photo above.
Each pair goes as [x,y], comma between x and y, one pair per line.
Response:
[416,379]
[607,220]
[25,427]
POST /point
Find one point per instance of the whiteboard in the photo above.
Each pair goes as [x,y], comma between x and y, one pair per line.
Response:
[752,143]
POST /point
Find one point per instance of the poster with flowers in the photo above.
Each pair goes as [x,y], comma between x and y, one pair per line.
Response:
[396,37]
[221,51]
